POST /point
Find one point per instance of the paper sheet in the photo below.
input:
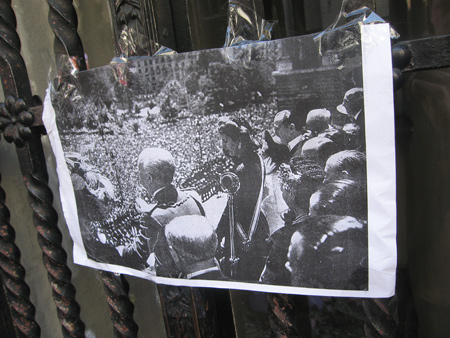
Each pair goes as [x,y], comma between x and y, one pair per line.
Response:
[209,110]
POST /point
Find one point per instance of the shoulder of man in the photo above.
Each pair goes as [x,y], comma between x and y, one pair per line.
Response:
[187,205]
[193,196]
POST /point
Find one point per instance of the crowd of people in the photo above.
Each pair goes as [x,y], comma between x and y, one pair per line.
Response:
[297,206]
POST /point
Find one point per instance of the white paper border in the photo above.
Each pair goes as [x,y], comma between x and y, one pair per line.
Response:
[380,151]
[381,184]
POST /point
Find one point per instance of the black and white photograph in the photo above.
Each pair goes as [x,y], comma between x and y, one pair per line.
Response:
[241,167]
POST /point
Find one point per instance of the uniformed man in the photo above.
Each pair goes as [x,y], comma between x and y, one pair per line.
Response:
[156,169]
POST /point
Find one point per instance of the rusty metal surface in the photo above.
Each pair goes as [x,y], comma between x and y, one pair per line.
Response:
[63,21]
[32,162]
[289,315]
[13,276]
[381,317]
[12,67]
[34,171]
[196,312]
[37,113]
[420,54]
[15,121]
[178,309]
[120,307]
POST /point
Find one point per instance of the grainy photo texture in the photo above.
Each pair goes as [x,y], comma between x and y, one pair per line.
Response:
[244,164]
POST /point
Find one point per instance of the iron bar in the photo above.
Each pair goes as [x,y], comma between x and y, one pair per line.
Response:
[420,54]
[63,21]
[381,319]
[13,276]
[34,171]
[289,315]
[12,66]
[120,307]
[32,162]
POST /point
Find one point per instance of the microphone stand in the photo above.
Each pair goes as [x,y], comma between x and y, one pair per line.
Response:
[230,184]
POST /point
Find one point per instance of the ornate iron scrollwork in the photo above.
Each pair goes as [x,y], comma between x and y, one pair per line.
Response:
[15,121]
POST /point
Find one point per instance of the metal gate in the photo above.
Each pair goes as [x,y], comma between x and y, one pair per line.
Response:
[185,311]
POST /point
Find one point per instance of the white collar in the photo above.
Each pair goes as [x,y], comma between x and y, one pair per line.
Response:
[157,191]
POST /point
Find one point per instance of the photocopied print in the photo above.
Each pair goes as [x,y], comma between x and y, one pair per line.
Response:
[258,167]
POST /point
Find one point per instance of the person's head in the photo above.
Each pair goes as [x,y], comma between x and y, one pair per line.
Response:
[353,135]
[333,255]
[318,149]
[287,125]
[347,164]
[298,181]
[235,136]
[156,168]
[353,102]
[192,242]
[336,135]
[340,197]
[318,120]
